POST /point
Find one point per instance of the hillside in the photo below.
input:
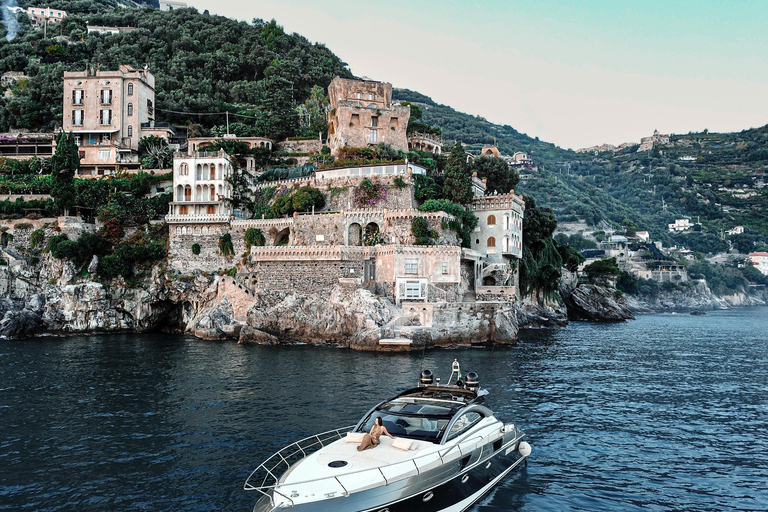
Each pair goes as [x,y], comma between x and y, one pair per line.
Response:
[203,64]
[723,186]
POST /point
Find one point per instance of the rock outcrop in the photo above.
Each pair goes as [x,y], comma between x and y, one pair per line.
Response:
[592,302]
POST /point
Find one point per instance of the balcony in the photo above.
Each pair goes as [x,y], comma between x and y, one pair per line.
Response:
[196,218]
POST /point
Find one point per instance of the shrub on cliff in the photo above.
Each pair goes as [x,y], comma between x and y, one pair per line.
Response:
[465,222]
[195,249]
[128,256]
[302,200]
[79,251]
[368,193]
[225,245]
[601,269]
[421,232]
[254,238]
[37,237]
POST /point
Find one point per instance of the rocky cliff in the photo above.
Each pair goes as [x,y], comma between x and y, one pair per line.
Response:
[56,298]
[698,298]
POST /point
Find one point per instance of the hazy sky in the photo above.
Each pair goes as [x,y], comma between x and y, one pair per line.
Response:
[577,73]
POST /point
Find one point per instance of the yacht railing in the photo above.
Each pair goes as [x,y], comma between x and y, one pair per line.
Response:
[271,470]
[275,467]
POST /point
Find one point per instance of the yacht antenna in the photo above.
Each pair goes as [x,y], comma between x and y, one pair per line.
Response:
[455,369]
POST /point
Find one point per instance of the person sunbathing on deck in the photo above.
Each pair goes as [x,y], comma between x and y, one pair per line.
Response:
[372,440]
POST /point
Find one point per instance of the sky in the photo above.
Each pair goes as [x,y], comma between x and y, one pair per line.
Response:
[576,73]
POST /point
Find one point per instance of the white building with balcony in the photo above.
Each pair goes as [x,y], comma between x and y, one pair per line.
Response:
[499,231]
[680,225]
[760,261]
[201,189]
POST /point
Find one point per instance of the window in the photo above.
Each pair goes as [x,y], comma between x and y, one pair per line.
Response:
[77,97]
[411,266]
[373,136]
[412,290]
[130,109]
[370,96]
[374,120]
[463,423]
[106,96]
[491,220]
[211,210]
[77,117]
[106,116]
[359,95]
[491,242]
[183,210]
[150,108]
[445,268]
[506,222]
[104,154]
[130,130]
[130,88]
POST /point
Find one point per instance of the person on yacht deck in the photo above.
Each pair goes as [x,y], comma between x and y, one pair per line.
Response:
[372,440]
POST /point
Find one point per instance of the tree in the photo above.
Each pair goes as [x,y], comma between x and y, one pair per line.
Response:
[277,115]
[602,268]
[155,153]
[541,264]
[64,163]
[458,181]
[500,177]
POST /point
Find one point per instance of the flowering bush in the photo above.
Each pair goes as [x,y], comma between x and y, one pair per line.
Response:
[369,193]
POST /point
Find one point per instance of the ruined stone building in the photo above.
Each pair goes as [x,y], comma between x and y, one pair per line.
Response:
[109,111]
[363,114]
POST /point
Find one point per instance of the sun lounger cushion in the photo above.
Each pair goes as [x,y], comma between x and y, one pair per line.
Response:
[355,437]
[403,444]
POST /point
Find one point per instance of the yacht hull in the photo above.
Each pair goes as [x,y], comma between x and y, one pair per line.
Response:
[447,489]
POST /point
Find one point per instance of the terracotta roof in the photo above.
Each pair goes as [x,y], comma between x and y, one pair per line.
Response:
[758,254]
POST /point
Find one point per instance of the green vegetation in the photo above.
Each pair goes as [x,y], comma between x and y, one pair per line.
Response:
[369,193]
[254,238]
[36,238]
[155,153]
[303,200]
[64,164]
[500,178]
[465,220]
[225,245]
[457,187]
[202,64]
[541,262]
[196,249]
[421,232]
[602,269]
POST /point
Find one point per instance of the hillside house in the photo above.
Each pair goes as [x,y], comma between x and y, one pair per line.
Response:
[40,16]
[108,112]
[759,260]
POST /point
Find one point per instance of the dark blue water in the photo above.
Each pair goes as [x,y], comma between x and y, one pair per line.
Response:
[664,413]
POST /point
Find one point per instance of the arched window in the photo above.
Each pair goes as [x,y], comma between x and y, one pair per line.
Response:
[505,244]
[130,130]
[491,242]
[506,222]
[187,193]
[199,172]
[491,220]
[130,109]
[130,89]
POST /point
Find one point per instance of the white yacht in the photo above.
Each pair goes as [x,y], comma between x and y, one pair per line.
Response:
[449,451]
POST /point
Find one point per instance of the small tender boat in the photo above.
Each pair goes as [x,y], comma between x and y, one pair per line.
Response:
[449,451]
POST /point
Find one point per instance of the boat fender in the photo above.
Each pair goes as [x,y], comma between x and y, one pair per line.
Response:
[524,449]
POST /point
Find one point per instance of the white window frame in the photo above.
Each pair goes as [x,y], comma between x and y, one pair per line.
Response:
[105,154]
[411,266]
[373,137]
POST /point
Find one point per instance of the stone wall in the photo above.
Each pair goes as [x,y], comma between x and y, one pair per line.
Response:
[300,146]
[307,276]
[181,257]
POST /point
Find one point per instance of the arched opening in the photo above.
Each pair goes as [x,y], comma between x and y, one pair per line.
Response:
[187,193]
[179,193]
[491,220]
[213,194]
[489,281]
[283,237]
[199,172]
[198,193]
[371,235]
[4,239]
[506,222]
[206,172]
[505,244]
[491,242]
[211,210]
[354,234]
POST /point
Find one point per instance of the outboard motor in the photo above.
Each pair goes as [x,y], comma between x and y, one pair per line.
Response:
[426,378]
[472,381]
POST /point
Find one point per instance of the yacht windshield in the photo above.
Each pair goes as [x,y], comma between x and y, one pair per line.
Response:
[414,419]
